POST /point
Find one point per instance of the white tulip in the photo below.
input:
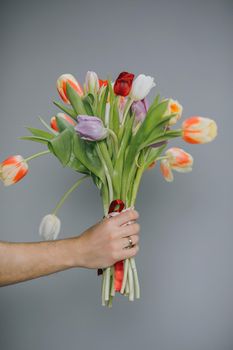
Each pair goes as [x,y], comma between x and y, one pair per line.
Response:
[91,82]
[141,87]
[49,227]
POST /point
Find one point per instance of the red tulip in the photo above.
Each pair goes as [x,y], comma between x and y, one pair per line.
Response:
[13,169]
[53,121]
[103,83]
[123,84]
[61,86]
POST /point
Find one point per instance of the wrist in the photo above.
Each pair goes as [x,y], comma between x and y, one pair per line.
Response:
[75,256]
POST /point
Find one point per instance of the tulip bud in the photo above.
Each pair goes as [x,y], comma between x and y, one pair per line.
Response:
[199,130]
[140,108]
[141,87]
[53,121]
[179,160]
[166,170]
[92,82]
[13,169]
[50,227]
[61,86]
[103,83]
[91,128]
[176,159]
[174,107]
[152,165]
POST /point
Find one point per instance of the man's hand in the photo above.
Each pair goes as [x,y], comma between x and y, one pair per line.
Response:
[100,246]
[104,243]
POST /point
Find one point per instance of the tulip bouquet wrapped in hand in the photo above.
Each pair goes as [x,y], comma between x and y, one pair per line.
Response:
[108,132]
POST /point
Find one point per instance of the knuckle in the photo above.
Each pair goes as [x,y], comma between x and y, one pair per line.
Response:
[135,228]
[131,215]
[108,224]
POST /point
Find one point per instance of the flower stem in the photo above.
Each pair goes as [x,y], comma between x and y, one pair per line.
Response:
[107,174]
[115,140]
[107,283]
[103,289]
[127,107]
[131,284]
[136,185]
[67,193]
[126,267]
[37,155]
[113,280]
[135,276]
[160,158]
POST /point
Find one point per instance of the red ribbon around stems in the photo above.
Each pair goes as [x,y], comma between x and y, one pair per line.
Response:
[116,206]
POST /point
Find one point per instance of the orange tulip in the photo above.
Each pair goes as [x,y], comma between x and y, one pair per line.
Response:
[13,169]
[152,165]
[176,159]
[199,130]
[53,121]
[166,170]
[174,107]
[61,86]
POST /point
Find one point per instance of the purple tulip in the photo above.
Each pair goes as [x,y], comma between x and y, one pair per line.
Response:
[91,128]
[140,109]
[158,144]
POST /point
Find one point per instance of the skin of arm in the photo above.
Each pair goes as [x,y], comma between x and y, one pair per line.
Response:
[100,246]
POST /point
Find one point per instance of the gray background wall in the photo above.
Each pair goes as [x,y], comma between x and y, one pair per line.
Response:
[185,261]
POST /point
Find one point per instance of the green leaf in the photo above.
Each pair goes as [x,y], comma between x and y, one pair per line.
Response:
[87,105]
[96,181]
[154,153]
[118,166]
[40,133]
[91,98]
[61,146]
[75,100]
[115,120]
[154,103]
[48,127]
[76,165]
[35,139]
[152,120]
[86,153]
[112,97]
[63,124]
[168,135]
[102,103]
[67,110]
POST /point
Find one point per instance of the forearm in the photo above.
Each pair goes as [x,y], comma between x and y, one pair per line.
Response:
[25,261]
[98,247]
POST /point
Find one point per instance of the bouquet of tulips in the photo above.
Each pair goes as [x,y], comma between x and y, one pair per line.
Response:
[108,131]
